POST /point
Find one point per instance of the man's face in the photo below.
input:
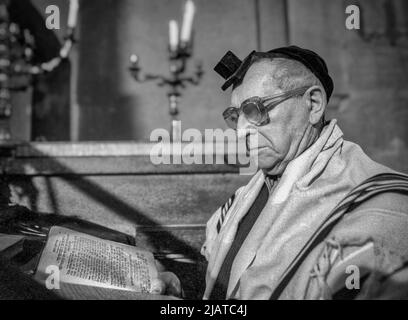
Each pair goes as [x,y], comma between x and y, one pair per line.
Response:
[283,138]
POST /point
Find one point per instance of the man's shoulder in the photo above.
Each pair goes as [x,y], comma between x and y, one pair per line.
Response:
[382,219]
[387,201]
[355,156]
[387,207]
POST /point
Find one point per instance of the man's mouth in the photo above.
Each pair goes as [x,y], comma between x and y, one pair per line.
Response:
[247,137]
[256,149]
[248,144]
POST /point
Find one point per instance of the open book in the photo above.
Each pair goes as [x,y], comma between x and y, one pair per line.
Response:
[78,265]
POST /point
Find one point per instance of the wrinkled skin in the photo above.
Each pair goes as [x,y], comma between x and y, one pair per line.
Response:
[294,124]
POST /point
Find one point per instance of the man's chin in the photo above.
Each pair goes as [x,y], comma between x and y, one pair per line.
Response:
[273,169]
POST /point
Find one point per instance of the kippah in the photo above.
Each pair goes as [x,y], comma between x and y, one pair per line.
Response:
[312,61]
[232,69]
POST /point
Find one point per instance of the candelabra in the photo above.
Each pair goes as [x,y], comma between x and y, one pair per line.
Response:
[175,81]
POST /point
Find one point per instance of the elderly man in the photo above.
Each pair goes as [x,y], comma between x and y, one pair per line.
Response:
[320,219]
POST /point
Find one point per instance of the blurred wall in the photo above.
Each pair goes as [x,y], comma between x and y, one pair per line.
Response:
[369,66]
[114,106]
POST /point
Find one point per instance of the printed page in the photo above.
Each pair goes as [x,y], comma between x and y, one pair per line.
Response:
[87,260]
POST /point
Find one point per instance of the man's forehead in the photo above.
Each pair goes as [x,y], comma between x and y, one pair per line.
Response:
[258,81]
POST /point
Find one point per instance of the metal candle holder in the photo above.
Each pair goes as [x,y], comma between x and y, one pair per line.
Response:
[175,81]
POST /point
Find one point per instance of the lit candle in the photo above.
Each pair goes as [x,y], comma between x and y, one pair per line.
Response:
[173,35]
[186,29]
[73,13]
[134,59]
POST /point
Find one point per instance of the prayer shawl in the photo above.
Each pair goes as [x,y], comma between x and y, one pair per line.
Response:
[309,189]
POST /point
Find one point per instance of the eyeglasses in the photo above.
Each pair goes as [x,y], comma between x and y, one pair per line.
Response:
[256,108]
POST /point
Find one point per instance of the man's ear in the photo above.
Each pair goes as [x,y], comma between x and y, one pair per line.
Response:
[317,101]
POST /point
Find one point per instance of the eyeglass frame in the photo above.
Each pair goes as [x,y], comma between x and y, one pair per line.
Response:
[263,109]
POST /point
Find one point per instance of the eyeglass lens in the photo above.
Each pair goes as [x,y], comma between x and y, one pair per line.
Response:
[252,112]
